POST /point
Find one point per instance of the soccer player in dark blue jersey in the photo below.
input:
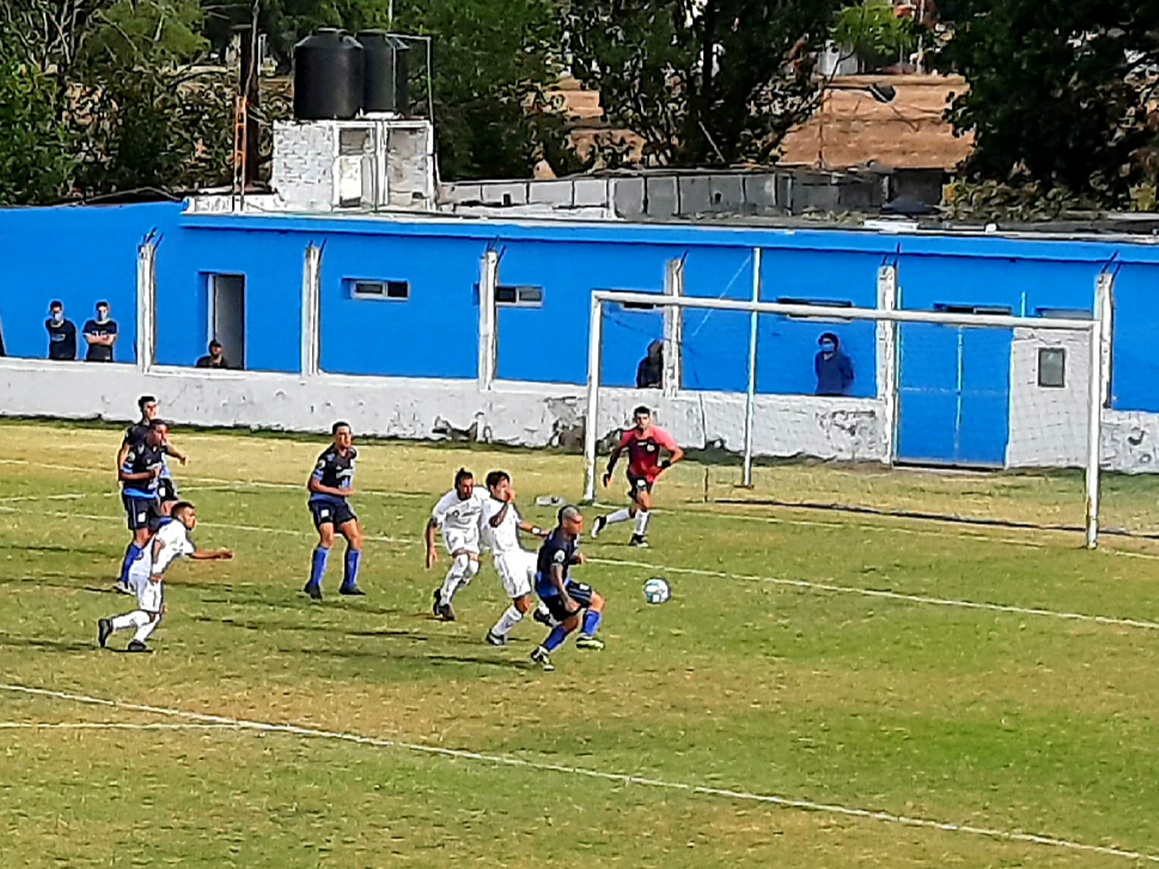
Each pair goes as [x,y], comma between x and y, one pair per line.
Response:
[566,599]
[331,484]
[139,474]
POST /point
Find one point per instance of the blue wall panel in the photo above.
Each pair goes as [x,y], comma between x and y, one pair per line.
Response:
[786,347]
[431,334]
[549,344]
[1135,365]
[715,343]
[80,256]
[272,265]
[1021,285]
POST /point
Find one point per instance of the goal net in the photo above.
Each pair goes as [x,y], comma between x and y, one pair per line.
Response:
[970,414]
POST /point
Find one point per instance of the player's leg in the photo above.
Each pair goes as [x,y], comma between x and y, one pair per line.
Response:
[138,644]
[566,623]
[324,522]
[643,512]
[106,627]
[352,531]
[139,513]
[516,571]
[149,602]
[593,603]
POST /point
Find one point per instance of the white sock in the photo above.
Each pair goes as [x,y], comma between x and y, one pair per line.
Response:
[642,518]
[151,622]
[542,609]
[510,618]
[456,576]
[619,516]
[130,620]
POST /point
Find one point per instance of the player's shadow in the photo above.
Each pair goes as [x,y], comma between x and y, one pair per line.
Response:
[59,549]
[45,645]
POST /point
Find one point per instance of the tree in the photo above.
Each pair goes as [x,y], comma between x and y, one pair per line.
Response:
[1060,90]
[703,81]
[874,32]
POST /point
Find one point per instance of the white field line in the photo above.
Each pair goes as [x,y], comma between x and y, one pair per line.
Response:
[113,725]
[617,777]
[808,585]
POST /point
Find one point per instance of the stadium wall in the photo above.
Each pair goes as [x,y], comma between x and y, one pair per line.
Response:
[429,341]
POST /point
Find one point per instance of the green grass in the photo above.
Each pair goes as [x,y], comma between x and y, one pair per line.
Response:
[1010,721]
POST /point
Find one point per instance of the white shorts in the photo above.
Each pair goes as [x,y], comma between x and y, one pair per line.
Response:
[461,541]
[149,596]
[517,570]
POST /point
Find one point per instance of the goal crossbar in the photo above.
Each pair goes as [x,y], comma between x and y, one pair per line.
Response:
[1096,328]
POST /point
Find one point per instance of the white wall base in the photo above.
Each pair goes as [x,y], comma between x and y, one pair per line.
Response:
[517,414]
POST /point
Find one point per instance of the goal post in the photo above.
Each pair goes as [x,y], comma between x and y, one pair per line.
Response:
[1091,334]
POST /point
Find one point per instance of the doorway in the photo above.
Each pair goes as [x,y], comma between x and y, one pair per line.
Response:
[227,316]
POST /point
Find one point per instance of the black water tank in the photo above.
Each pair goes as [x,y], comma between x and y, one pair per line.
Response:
[401,75]
[379,73]
[328,74]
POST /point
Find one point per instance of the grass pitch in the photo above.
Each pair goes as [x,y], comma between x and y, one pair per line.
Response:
[373,735]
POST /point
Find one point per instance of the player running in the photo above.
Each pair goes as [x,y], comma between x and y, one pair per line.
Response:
[139,474]
[330,485]
[514,564]
[146,573]
[643,443]
[566,599]
[458,514]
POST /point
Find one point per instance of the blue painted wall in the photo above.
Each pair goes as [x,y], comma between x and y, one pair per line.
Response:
[80,256]
[953,386]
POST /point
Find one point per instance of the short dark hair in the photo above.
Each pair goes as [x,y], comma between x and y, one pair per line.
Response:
[102,305]
[181,507]
[496,477]
[55,303]
[160,423]
[214,343]
[340,424]
[641,410]
[463,474]
[145,399]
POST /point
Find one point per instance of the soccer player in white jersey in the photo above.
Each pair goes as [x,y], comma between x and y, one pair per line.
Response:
[146,573]
[514,564]
[458,514]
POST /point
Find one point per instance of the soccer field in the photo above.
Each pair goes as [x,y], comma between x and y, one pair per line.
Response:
[824,689]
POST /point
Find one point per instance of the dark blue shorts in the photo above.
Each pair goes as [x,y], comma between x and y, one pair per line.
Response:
[141,512]
[637,484]
[580,592]
[331,513]
[167,490]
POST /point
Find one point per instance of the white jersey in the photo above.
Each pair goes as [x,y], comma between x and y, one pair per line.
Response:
[455,515]
[174,544]
[504,537]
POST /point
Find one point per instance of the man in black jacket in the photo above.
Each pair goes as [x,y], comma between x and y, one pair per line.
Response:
[61,333]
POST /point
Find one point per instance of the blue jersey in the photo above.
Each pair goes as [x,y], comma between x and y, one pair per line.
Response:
[334,471]
[557,549]
[141,459]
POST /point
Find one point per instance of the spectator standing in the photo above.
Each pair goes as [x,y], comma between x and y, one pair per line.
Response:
[101,335]
[650,371]
[833,368]
[61,333]
[216,357]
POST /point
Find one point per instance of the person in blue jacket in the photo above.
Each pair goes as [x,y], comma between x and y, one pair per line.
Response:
[834,369]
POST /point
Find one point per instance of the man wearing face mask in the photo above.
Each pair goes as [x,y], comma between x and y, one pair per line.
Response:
[833,368]
[101,335]
[61,333]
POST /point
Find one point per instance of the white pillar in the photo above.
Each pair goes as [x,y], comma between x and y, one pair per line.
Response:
[673,327]
[311,311]
[887,367]
[488,337]
[751,393]
[591,418]
[146,305]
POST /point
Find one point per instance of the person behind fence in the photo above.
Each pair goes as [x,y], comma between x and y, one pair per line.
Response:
[101,335]
[216,357]
[834,369]
[61,333]
[650,371]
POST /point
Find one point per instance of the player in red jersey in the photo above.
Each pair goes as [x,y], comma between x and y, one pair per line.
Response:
[644,444]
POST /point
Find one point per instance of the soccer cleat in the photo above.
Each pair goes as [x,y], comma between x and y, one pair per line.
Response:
[104,631]
[352,591]
[543,617]
[583,641]
[137,646]
[122,587]
[496,639]
[437,609]
[598,528]
[541,657]
[313,590]
[639,541]
[446,613]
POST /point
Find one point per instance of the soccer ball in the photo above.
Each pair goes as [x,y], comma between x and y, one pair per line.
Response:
[657,590]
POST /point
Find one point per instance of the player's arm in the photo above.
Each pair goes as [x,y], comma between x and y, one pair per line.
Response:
[211,554]
[532,529]
[432,550]
[557,579]
[173,451]
[614,457]
[157,546]
[675,454]
[126,474]
[314,484]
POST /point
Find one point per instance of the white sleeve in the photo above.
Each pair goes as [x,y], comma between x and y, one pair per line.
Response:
[444,504]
